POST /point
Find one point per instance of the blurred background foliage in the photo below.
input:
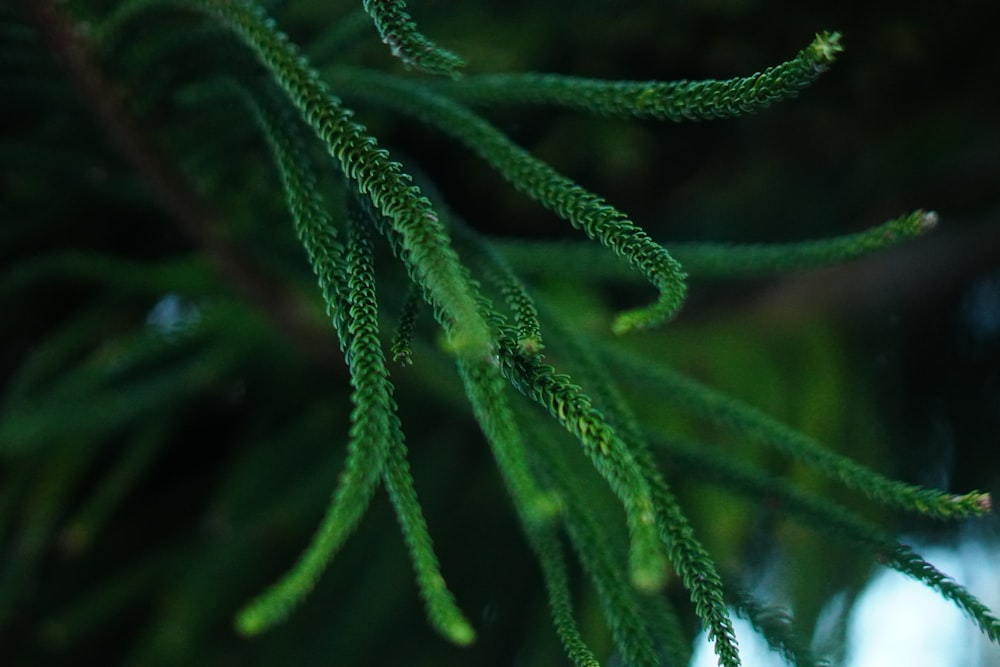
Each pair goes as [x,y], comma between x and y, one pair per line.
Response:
[167,447]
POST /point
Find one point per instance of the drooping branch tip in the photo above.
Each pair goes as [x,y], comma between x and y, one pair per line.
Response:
[825,48]
[929,220]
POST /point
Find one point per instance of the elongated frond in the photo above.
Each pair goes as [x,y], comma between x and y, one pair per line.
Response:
[712,260]
[688,556]
[553,561]
[347,283]
[424,239]
[904,559]
[754,425]
[442,610]
[612,458]
[310,214]
[400,33]
[698,572]
[718,260]
[599,552]
[585,210]
[833,519]
[662,100]
[214,124]
[373,429]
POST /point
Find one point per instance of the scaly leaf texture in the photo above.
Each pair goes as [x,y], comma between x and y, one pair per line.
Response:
[314,227]
[756,426]
[584,210]
[400,33]
[487,391]
[701,577]
[402,341]
[817,512]
[545,544]
[527,329]
[621,601]
[611,457]
[661,100]
[347,285]
[535,508]
[396,243]
[697,571]
[442,610]
[373,419]
[903,559]
[717,260]
[689,557]
[375,175]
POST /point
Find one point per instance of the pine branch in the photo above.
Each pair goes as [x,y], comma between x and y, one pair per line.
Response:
[717,260]
[903,559]
[374,424]
[672,100]
[756,426]
[400,33]
[487,392]
[374,174]
[545,544]
[815,511]
[595,547]
[442,610]
[689,558]
[584,210]
[347,284]
[610,455]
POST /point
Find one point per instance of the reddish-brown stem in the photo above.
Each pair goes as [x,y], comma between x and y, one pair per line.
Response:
[182,203]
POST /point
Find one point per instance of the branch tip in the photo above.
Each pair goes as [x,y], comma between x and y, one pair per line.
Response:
[929,220]
[826,46]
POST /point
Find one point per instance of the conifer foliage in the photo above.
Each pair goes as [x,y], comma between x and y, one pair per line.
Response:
[405,283]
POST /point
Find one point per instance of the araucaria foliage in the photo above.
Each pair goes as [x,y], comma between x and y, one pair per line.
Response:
[241,134]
